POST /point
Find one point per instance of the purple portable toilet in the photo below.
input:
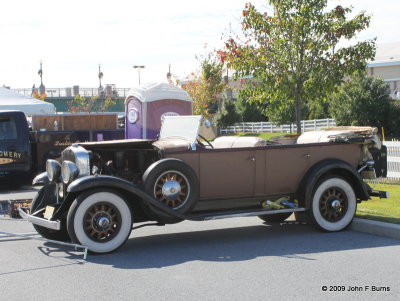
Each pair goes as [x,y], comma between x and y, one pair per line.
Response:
[146,105]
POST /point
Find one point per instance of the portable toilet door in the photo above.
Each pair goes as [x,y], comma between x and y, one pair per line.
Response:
[146,105]
[133,118]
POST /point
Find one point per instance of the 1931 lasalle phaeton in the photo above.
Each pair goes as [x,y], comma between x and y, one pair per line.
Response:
[102,189]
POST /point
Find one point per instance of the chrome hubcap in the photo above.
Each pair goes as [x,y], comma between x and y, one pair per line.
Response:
[335,205]
[103,222]
[171,189]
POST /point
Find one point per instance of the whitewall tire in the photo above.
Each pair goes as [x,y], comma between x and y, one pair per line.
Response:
[101,220]
[333,205]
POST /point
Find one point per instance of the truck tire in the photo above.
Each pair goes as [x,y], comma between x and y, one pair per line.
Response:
[275,218]
[41,200]
[174,183]
[333,205]
[100,220]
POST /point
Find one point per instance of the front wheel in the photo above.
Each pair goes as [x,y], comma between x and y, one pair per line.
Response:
[100,220]
[333,205]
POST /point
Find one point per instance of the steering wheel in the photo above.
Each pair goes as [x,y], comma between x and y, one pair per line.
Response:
[202,144]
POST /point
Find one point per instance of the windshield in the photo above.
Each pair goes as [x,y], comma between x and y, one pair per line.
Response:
[180,126]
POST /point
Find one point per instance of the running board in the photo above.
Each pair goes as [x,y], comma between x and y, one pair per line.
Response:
[249,213]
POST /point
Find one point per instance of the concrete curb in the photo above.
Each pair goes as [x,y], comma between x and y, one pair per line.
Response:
[376,228]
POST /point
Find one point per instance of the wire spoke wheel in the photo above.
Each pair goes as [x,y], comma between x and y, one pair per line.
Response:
[172,188]
[100,219]
[333,204]
[102,222]
[173,183]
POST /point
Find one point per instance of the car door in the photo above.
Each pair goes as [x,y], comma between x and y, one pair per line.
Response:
[227,173]
[285,168]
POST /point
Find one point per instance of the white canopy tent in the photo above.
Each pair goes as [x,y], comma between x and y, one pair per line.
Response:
[10,100]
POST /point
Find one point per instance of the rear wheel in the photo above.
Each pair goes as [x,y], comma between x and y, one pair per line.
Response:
[333,205]
[100,220]
[275,218]
[44,197]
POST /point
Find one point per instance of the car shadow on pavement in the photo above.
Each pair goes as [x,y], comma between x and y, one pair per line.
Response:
[298,242]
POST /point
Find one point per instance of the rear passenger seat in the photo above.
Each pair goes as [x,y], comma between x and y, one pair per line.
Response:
[236,141]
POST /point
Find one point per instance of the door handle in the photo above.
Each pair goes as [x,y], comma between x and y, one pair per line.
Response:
[252,159]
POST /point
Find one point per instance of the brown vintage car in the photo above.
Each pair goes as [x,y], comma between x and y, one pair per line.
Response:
[102,189]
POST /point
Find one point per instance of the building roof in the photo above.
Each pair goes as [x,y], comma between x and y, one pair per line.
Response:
[387,54]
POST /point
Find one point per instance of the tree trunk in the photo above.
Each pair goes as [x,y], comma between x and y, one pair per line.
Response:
[298,99]
[298,114]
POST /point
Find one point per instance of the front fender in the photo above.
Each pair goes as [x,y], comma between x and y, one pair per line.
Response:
[90,182]
[41,179]
[330,167]
[97,181]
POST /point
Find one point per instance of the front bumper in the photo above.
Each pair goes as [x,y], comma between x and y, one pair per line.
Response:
[54,225]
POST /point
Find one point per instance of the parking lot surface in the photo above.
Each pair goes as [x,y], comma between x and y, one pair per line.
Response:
[24,192]
[233,259]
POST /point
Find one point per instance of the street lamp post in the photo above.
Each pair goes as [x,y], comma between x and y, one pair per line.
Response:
[100,77]
[42,88]
[138,68]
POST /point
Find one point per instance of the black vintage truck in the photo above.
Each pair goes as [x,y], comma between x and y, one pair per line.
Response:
[23,153]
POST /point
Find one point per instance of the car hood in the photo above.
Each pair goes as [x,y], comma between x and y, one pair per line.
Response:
[121,144]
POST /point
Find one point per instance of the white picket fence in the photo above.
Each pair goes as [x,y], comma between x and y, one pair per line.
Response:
[393,160]
[271,127]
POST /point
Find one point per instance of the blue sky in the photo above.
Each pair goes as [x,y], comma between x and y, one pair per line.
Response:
[73,37]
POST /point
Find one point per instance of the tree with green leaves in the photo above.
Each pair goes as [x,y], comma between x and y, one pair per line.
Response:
[294,54]
[206,87]
[365,100]
[227,115]
[250,111]
[82,104]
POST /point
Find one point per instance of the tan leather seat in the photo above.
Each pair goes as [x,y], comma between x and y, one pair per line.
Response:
[235,141]
[169,145]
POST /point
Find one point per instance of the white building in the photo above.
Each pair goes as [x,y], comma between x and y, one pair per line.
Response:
[387,66]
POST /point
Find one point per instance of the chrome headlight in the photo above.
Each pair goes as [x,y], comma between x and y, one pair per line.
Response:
[53,169]
[78,155]
[69,172]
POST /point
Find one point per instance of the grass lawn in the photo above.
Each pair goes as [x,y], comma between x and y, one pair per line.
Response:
[384,210]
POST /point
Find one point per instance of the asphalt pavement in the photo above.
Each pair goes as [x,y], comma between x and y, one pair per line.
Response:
[231,259]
